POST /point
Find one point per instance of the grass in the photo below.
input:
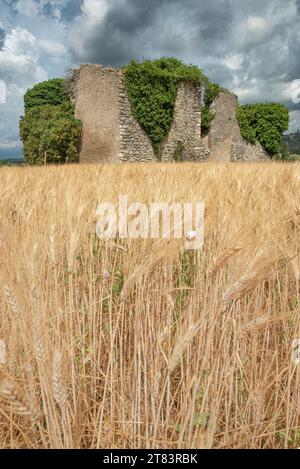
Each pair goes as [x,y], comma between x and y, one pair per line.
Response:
[138,343]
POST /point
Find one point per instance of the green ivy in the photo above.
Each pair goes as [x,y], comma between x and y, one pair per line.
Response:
[264,123]
[212,90]
[152,90]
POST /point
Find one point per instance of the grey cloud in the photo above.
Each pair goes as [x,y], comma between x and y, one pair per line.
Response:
[2,36]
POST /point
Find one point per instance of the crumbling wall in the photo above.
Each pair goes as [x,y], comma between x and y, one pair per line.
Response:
[96,105]
[111,133]
[224,140]
[135,145]
[185,134]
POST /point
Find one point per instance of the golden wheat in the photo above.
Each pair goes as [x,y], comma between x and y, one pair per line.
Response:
[140,343]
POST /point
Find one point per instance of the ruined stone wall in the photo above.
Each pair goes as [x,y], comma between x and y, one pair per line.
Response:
[96,105]
[185,132]
[224,140]
[110,131]
[135,145]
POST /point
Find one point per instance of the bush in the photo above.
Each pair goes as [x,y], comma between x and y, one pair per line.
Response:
[50,133]
[152,89]
[264,123]
[48,130]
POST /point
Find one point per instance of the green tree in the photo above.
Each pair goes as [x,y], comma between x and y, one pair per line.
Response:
[264,123]
[48,92]
[48,130]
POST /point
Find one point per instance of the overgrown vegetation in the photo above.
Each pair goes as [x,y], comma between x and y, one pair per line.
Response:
[52,92]
[49,131]
[152,89]
[51,134]
[211,92]
[264,123]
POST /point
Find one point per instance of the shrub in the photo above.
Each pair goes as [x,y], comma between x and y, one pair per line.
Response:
[50,133]
[264,123]
[152,89]
[48,130]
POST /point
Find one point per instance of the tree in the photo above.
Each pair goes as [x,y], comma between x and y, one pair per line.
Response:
[48,130]
[264,123]
[48,92]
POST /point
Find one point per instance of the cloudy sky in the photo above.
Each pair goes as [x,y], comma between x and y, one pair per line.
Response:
[251,47]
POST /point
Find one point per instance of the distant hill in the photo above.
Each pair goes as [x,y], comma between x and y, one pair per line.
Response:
[12,162]
[293,142]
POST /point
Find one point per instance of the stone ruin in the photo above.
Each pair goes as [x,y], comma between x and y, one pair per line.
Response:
[111,134]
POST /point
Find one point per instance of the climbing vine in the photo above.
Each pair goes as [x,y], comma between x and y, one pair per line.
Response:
[211,92]
[152,89]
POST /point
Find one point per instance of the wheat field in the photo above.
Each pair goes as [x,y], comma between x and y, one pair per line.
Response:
[140,343]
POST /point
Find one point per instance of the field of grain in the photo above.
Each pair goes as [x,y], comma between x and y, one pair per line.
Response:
[140,343]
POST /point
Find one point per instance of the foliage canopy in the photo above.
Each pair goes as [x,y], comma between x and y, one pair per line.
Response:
[264,123]
[52,92]
[49,130]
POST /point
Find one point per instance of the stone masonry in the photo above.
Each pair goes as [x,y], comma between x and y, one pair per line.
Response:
[185,132]
[224,140]
[111,134]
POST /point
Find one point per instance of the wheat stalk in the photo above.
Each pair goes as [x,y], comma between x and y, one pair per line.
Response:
[11,299]
[20,405]
[59,393]
[181,345]
[260,323]
[222,260]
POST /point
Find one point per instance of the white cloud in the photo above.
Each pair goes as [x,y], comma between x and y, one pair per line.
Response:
[95,10]
[33,8]
[19,69]
[86,25]
[19,58]
[27,7]
[54,48]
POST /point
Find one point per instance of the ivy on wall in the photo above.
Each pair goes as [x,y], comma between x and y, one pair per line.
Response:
[152,88]
[211,92]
